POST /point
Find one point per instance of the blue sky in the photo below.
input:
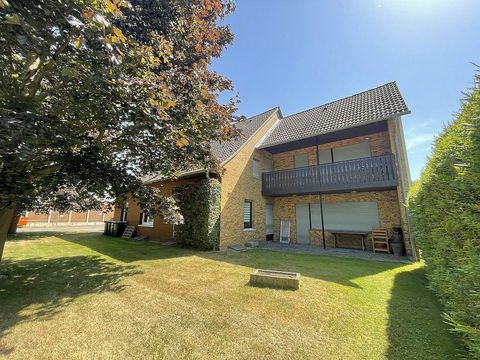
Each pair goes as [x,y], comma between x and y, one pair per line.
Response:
[301,54]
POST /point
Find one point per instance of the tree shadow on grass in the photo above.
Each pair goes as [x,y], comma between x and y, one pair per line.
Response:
[335,269]
[328,268]
[37,289]
[416,329]
[125,250]
[42,234]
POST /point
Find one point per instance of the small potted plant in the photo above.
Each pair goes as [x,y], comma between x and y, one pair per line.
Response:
[396,241]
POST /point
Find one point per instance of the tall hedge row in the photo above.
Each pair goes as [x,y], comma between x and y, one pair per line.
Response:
[199,204]
[445,212]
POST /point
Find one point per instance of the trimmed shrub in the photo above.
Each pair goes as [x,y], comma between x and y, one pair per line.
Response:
[445,211]
[199,203]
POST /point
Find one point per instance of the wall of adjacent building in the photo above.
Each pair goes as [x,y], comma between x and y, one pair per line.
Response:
[160,231]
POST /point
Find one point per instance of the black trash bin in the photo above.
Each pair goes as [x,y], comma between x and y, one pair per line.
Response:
[114,228]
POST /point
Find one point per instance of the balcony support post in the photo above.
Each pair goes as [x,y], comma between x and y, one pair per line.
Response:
[321,197]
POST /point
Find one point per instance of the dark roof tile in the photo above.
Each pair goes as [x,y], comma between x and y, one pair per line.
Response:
[224,150]
[375,104]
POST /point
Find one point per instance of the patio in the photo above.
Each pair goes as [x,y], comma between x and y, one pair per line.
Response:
[340,252]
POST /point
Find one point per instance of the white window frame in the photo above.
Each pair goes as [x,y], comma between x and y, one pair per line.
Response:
[147,220]
[256,168]
[250,202]
[124,213]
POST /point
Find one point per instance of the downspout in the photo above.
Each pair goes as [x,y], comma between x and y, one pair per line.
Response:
[402,186]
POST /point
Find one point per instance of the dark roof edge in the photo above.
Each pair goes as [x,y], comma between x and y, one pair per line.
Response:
[328,132]
[344,98]
[182,175]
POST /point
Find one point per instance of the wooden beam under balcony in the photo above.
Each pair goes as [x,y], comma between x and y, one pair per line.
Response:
[367,174]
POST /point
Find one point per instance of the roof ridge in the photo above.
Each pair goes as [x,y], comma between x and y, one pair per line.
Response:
[344,98]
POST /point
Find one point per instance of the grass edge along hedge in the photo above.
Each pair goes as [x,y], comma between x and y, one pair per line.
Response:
[444,207]
[199,204]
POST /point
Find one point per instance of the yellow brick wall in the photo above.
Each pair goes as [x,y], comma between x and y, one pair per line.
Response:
[388,209]
[379,145]
[239,184]
[394,127]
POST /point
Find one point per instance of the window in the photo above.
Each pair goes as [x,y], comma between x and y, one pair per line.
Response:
[146,220]
[124,213]
[269,219]
[356,151]
[362,215]
[256,168]
[301,160]
[268,164]
[247,214]
[325,156]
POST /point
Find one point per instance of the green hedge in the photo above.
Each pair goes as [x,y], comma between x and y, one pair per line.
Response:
[199,204]
[445,212]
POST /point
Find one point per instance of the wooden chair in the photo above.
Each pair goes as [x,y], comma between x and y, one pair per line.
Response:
[380,241]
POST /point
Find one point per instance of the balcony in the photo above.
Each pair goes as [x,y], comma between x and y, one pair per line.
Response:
[367,174]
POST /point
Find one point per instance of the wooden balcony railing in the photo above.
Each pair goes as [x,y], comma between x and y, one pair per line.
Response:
[378,172]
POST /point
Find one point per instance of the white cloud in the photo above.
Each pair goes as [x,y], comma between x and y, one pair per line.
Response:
[417,140]
[410,129]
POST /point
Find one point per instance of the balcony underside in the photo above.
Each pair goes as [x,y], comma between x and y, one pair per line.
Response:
[368,174]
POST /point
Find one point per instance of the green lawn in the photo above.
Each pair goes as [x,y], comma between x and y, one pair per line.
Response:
[93,297]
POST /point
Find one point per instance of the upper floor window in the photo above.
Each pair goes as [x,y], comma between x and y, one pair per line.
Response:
[325,156]
[350,152]
[146,220]
[301,160]
[256,168]
[341,153]
[268,165]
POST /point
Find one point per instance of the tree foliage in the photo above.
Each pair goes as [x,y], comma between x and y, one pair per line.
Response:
[445,209]
[96,94]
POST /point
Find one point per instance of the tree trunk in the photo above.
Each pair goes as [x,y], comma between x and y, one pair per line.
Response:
[12,229]
[6,216]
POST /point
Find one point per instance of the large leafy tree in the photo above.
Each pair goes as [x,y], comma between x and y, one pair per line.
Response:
[95,94]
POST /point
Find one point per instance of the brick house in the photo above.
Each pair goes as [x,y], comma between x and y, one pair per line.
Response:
[342,164]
